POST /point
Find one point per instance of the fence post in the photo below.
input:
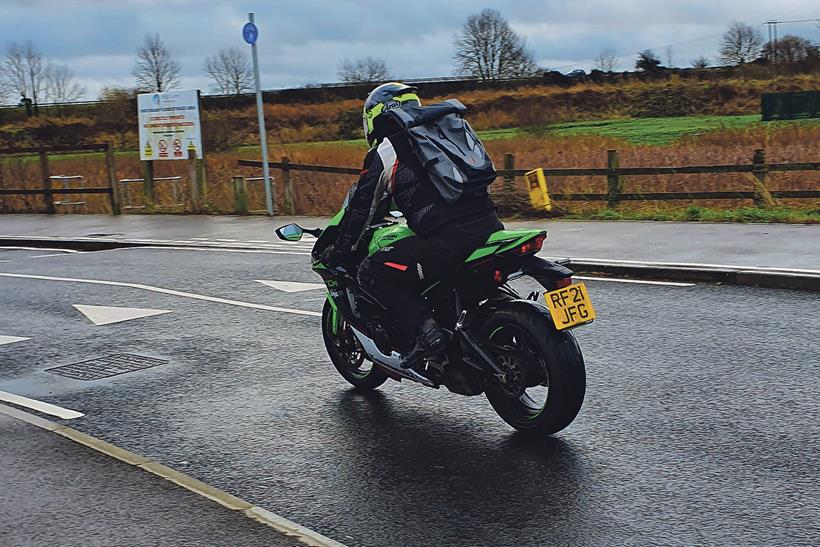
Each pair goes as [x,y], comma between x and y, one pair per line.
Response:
[116,207]
[288,185]
[148,183]
[613,181]
[240,195]
[509,180]
[763,198]
[47,195]
[196,170]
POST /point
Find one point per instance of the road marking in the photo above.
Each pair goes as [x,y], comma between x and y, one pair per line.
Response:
[272,520]
[16,248]
[226,240]
[11,339]
[45,256]
[258,241]
[40,406]
[220,250]
[291,286]
[739,267]
[162,290]
[106,315]
[638,281]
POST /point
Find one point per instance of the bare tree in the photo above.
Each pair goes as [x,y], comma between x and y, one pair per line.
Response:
[5,86]
[790,49]
[363,70]
[230,71]
[61,86]
[155,69]
[700,62]
[606,61]
[25,71]
[741,44]
[489,49]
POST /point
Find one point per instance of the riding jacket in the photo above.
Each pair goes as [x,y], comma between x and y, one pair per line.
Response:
[391,170]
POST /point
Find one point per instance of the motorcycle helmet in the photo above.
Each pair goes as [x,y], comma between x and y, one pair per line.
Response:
[385,97]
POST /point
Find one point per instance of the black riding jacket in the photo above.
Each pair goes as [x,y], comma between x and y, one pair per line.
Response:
[391,170]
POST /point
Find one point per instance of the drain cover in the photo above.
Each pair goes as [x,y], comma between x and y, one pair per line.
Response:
[105,367]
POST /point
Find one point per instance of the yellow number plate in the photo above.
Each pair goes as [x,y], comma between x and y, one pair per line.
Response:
[570,306]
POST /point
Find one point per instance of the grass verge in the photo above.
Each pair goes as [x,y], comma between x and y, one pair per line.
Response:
[703,214]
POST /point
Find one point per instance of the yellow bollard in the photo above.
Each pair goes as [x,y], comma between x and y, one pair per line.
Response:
[537,183]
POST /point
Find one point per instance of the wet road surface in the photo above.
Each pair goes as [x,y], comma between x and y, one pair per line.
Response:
[699,425]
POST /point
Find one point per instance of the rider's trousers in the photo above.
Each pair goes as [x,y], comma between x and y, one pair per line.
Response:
[397,274]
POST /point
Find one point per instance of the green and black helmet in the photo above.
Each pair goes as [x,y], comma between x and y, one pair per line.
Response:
[386,97]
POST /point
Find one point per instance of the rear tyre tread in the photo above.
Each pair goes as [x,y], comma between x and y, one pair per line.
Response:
[565,367]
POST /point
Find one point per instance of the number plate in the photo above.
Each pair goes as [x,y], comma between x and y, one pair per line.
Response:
[570,306]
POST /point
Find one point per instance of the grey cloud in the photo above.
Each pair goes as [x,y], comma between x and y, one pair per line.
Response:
[302,41]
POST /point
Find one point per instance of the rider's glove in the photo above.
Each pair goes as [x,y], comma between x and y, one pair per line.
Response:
[333,258]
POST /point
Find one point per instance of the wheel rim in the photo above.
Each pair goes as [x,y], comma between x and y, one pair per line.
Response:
[509,343]
[350,350]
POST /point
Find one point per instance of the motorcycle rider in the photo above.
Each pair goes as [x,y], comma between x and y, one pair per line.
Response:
[445,234]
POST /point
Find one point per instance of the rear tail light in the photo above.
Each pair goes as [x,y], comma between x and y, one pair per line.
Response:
[565,282]
[498,277]
[531,246]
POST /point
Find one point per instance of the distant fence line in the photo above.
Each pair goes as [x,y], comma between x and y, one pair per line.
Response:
[614,174]
[115,188]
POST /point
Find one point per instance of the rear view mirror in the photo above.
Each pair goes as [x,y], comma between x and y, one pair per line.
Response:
[396,214]
[290,232]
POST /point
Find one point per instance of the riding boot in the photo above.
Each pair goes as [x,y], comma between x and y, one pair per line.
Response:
[431,341]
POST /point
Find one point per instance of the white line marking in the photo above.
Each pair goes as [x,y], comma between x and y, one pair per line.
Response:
[45,256]
[639,281]
[258,241]
[227,240]
[201,238]
[11,339]
[291,286]
[14,248]
[106,315]
[690,264]
[40,406]
[167,291]
[218,250]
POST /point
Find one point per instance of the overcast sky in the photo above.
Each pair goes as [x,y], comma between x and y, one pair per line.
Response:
[303,41]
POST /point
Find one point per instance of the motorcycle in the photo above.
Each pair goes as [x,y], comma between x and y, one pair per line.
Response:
[518,351]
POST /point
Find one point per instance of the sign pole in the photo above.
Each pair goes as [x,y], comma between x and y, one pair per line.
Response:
[251,33]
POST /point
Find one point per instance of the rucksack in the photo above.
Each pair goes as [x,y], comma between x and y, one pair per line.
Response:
[447,147]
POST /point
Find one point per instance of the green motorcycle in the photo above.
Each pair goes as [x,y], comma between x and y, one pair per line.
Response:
[518,351]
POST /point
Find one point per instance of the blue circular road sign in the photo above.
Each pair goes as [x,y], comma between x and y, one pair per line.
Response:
[250,33]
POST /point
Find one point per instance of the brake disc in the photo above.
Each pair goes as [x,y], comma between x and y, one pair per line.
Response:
[515,382]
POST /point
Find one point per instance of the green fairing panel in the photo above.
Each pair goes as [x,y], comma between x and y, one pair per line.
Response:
[384,237]
[337,219]
[501,241]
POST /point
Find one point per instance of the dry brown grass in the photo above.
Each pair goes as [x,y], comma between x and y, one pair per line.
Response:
[317,193]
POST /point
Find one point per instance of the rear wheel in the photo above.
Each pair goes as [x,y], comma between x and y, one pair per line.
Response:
[547,377]
[347,354]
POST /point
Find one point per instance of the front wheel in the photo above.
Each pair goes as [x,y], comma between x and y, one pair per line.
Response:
[549,377]
[347,354]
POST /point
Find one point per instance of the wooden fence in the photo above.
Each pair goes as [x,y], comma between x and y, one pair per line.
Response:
[48,192]
[614,174]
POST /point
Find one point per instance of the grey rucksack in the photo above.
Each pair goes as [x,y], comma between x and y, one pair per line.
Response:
[447,148]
